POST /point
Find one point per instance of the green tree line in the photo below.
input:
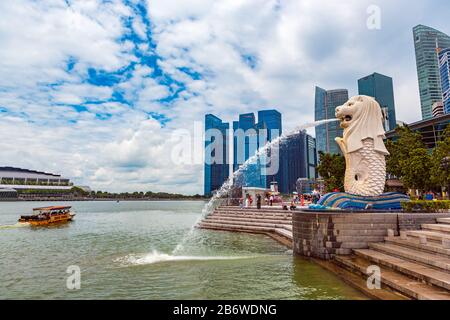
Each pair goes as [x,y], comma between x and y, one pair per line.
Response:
[142,195]
[79,192]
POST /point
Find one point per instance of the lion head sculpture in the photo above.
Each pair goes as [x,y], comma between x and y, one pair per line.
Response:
[361,118]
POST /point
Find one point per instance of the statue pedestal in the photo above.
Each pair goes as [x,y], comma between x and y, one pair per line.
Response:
[344,201]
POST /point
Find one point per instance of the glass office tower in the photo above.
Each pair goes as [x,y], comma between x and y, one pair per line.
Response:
[381,88]
[243,149]
[325,106]
[444,67]
[248,137]
[270,120]
[426,41]
[297,156]
[216,157]
[298,160]
[245,145]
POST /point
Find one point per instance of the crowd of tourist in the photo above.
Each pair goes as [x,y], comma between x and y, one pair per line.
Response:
[271,200]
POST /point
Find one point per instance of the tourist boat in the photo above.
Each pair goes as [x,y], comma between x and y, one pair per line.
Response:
[48,215]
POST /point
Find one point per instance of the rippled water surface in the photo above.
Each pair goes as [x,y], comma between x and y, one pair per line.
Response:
[124,251]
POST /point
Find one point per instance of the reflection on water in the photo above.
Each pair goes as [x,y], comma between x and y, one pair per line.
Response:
[124,252]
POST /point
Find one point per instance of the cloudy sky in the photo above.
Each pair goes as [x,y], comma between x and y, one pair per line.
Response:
[93,89]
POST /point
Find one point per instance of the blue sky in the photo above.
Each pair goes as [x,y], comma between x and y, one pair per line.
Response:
[93,89]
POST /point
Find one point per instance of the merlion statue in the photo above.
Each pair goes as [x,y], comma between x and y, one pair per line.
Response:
[363,146]
[365,160]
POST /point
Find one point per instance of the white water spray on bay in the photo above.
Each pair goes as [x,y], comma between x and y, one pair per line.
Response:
[158,257]
[227,187]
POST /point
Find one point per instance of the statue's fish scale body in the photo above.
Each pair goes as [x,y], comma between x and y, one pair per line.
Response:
[366,171]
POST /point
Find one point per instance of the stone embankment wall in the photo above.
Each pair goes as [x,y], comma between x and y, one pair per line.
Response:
[323,235]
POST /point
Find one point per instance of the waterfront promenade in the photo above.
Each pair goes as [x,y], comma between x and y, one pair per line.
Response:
[271,221]
[411,250]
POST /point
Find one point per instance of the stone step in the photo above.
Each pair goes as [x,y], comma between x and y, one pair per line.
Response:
[234,227]
[417,271]
[425,258]
[267,208]
[414,243]
[395,280]
[437,227]
[284,233]
[254,213]
[248,223]
[430,235]
[253,209]
[248,219]
[240,228]
[257,218]
[443,220]
[354,279]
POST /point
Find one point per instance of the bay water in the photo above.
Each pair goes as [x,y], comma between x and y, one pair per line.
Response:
[124,250]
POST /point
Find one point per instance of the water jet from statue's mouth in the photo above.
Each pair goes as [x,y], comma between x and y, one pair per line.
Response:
[346,118]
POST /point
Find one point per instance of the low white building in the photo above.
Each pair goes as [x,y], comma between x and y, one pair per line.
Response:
[24,179]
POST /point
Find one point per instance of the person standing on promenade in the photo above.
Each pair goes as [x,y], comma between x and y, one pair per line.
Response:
[258,201]
[271,200]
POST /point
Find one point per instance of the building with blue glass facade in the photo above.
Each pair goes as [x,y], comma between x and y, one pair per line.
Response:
[271,120]
[444,68]
[217,167]
[381,88]
[298,159]
[426,41]
[295,158]
[244,139]
[311,159]
[325,108]
[248,137]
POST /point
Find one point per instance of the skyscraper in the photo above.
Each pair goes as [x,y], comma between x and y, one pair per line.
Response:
[248,137]
[295,158]
[242,150]
[444,67]
[426,42]
[311,159]
[298,160]
[270,120]
[216,153]
[381,88]
[325,105]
